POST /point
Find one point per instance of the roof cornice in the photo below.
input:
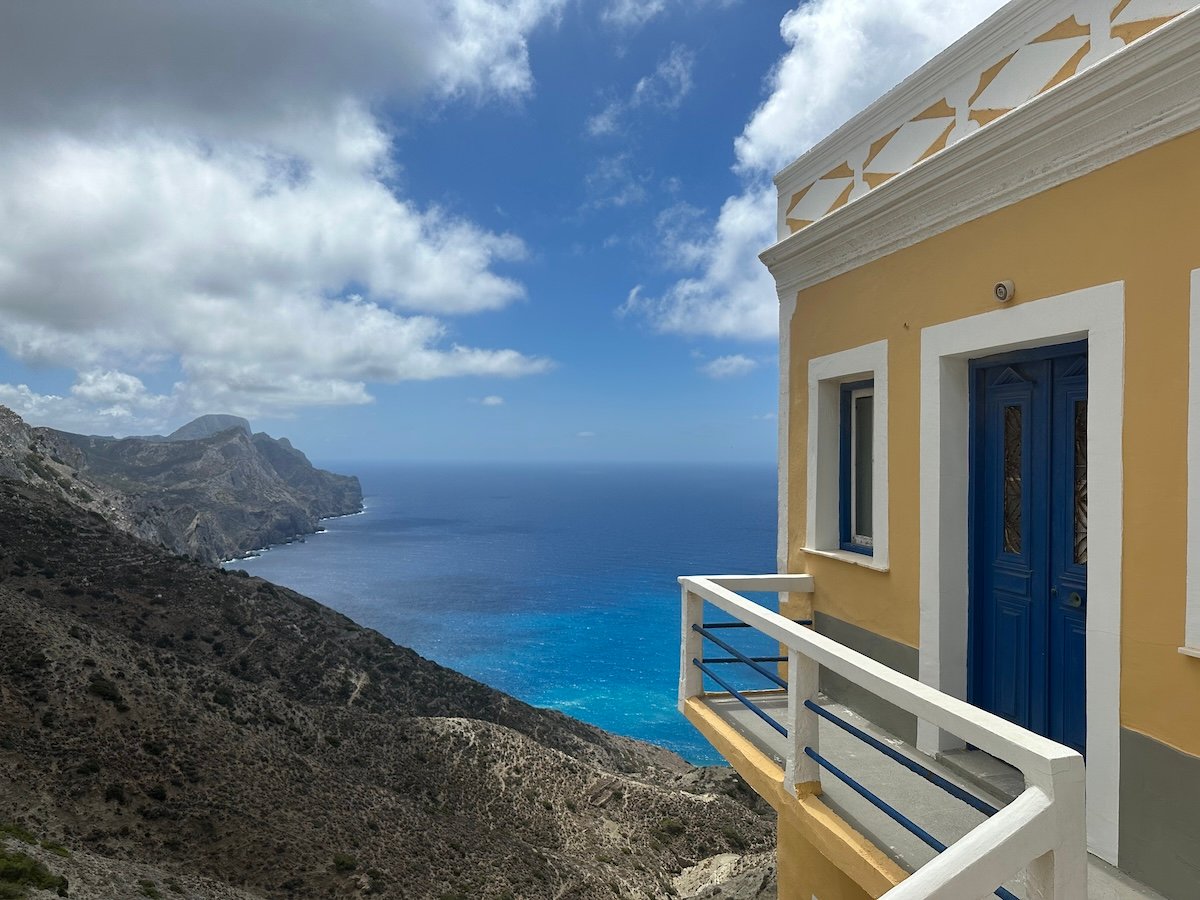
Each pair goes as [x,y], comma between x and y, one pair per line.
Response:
[1140,96]
[990,39]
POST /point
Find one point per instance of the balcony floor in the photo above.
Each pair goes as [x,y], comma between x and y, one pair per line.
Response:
[943,816]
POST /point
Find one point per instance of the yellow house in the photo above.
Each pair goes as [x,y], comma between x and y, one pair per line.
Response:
[989,286]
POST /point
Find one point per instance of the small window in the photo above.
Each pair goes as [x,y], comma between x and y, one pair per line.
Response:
[857,466]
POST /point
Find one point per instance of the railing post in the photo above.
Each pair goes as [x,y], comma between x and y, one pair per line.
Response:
[801,774]
[691,646]
[1061,874]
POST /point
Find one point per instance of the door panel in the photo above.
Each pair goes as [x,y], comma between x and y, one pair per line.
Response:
[1028,539]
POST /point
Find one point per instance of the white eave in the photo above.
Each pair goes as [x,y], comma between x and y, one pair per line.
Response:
[1142,95]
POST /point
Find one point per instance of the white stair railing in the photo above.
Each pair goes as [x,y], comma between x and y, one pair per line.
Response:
[1041,831]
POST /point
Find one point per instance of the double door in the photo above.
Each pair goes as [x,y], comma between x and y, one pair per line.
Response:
[1028,540]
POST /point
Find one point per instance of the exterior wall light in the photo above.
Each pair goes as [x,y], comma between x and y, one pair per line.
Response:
[1004,291]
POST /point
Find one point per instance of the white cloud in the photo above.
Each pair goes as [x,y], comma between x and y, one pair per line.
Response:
[492,400]
[233,217]
[632,14]
[99,403]
[614,182]
[585,434]
[842,55]
[729,294]
[729,366]
[664,89]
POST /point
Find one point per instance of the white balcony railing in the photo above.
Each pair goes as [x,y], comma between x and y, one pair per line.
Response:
[1041,833]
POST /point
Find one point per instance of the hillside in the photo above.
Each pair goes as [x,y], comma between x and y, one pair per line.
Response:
[203,493]
[174,724]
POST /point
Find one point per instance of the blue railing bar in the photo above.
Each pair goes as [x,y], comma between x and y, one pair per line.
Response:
[761,670]
[747,624]
[912,765]
[746,701]
[890,811]
[734,659]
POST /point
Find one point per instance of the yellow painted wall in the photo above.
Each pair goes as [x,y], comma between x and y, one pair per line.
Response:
[804,873]
[818,853]
[1136,221]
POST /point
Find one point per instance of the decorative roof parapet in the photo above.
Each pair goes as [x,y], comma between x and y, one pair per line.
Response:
[1023,50]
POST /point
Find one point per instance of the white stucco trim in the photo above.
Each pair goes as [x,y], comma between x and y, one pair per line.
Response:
[826,374]
[1096,314]
[1191,628]
[1136,98]
[787,307]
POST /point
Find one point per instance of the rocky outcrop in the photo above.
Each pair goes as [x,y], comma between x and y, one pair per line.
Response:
[729,876]
[192,723]
[213,496]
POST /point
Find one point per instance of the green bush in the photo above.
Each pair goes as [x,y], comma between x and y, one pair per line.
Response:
[148,889]
[344,862]
[101,687]
[669,827]
[16,831]
[18,871]
[736,841]
[56,848]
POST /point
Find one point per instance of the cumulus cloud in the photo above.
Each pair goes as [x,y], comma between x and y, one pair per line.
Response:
[842,54]
[492,400]
[664,89]
[729,366]
[205,188]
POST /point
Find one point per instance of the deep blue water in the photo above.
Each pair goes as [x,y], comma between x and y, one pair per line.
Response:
[555,583]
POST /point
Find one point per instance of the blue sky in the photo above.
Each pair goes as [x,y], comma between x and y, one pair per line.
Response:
[459,229]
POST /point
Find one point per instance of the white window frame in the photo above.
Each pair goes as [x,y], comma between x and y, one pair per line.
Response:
[826,375]
[851,486]
[1191,628]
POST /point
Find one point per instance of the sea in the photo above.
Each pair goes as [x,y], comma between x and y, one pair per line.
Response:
[555,583]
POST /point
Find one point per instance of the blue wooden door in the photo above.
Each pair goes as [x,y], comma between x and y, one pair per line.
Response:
[1028,539]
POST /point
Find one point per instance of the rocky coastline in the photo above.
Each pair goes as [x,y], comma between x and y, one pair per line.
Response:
[174,729]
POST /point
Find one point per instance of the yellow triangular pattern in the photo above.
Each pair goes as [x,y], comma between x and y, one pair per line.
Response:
[1118,9]
[939,144]
[983,116]
[1070,67]
[875,179]
[989,75]
[877,146]
[798,196]
[843,198]
[796,224]
[939,110]
[1134,30]
[842,171]
[1067,28]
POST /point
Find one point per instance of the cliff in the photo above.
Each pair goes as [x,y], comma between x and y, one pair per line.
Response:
[179,730]
[204,493]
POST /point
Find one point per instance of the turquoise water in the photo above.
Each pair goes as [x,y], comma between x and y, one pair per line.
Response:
[553,583]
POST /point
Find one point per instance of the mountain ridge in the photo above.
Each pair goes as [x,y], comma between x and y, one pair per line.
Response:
[217,495]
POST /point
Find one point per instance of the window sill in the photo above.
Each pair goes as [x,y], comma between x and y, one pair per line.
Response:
[1190,651]
[857,559]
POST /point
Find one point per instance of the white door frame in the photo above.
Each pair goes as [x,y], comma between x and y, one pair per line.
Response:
[1096,314]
